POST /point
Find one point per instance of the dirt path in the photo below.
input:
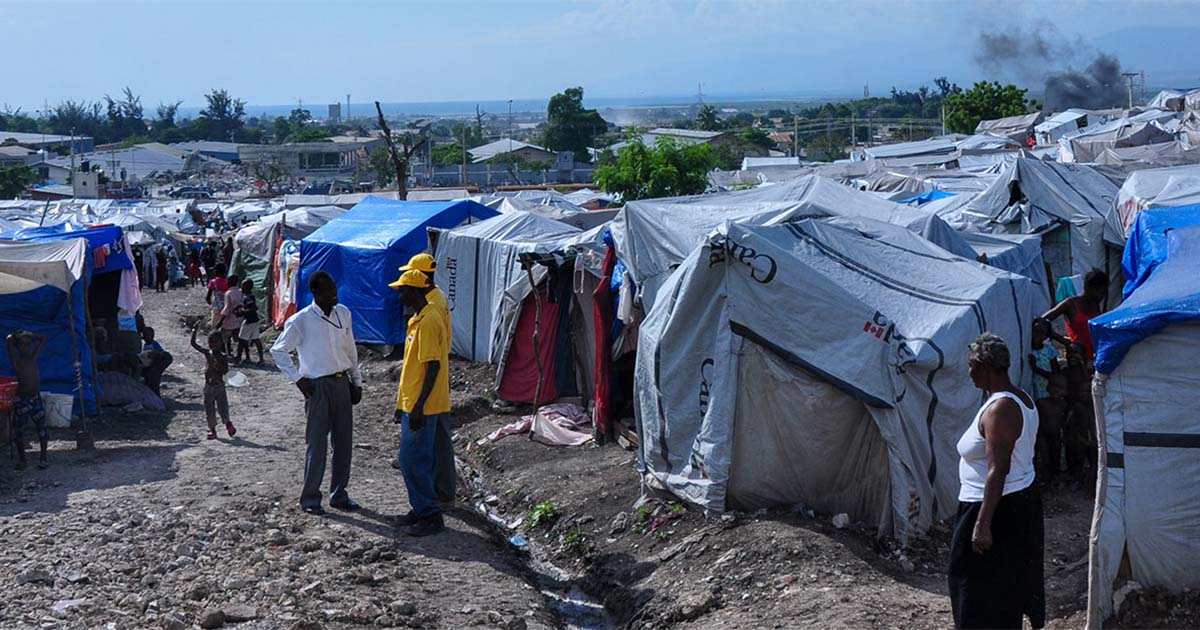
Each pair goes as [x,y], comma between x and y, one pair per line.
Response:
[158,527]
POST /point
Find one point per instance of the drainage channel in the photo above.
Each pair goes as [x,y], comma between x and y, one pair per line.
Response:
[576,609]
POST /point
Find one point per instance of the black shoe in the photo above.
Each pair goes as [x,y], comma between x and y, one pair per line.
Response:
[404,520]
[315,510]
[427,526]
[346,506]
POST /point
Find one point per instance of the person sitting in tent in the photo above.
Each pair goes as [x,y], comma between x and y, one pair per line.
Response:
[23,350]
[422,402]
[1048,392]
[155,361]
[996,574]
[1079,310]
[444,440]
[1079,430]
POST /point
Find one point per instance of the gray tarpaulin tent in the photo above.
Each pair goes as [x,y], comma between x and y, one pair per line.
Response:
[477,262]
[1088,144]
[1016,128]
[255,245]
[652,236]
[1064,203]
[821,362]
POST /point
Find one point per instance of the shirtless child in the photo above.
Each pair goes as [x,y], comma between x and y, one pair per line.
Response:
[23,350]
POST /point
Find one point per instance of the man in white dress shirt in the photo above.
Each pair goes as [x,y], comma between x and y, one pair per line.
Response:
[328,376]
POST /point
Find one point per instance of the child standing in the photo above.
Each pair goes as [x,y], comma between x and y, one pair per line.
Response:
[249,332]
[1048,397]
[216,366]
[231,321]
[1079,430]
[193,268]
[216,294]
[23,350]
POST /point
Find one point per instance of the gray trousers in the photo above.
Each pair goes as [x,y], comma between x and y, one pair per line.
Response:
[329,413]
[444,473]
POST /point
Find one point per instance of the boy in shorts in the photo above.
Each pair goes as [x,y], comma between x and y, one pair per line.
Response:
[23,350]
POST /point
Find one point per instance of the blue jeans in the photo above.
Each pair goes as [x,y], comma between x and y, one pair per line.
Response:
[418,463]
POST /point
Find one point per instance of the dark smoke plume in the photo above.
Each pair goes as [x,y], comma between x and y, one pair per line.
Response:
[1041,53]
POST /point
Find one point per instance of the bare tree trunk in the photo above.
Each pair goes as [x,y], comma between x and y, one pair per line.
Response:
[400,163]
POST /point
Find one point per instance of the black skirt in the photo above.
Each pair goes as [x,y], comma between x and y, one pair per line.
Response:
[996,588]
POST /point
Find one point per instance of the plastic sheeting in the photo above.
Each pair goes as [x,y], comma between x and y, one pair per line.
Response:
[653,236]
[363,249]
[477,262]
[1151,188]
[255,244]
[1163,285]
[41,288]
[1036,197]
[1148,503]
[867,308]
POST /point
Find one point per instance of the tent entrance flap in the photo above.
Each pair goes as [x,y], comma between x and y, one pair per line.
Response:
[798,439]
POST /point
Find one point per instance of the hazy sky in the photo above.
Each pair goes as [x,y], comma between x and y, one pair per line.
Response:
[276,52]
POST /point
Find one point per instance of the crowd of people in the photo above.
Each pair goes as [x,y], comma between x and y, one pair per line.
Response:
[161,267]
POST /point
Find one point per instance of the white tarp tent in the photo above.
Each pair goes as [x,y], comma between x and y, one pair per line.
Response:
[477,262]
[1151,188]
[821,362]
[652,236]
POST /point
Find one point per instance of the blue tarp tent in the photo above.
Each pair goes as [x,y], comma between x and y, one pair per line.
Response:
[1161,260]
[362,250]
[926,197]
[110,236]
[41,290]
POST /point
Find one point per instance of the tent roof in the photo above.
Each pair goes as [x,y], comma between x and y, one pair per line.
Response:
[1162,285]
[517,227]
[376,223]
[28,265]
[1066,192]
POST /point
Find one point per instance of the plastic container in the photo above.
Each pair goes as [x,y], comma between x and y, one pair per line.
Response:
[8,393]
[58,409]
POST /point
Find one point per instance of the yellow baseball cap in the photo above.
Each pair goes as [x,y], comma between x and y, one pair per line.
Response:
[411,278]
[421,262]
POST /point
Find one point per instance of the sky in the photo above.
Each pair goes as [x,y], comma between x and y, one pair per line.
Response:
[273,53]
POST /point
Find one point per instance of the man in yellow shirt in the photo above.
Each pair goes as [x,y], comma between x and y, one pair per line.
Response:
[422,402]
[445,478]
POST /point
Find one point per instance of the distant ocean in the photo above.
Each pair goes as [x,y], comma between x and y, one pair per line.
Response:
[462,108]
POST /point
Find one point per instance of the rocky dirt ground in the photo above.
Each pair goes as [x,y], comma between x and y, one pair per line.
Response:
[159,528]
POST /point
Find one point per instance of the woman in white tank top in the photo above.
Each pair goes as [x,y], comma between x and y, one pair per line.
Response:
[997,547]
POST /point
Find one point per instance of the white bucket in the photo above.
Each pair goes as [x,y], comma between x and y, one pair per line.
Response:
[58,409]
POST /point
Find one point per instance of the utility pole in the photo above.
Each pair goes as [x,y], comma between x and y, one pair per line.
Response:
[464,155]
[853,132]
[1129,77]
[795,136]
[347,109]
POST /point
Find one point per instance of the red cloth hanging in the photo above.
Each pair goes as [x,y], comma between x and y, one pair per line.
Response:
[519,382]
[602,311]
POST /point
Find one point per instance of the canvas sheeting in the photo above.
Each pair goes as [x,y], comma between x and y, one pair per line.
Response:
[363,249]
[1088,144]
[653,236]
[1151,188]
[477,262]
[1036,197]
[1150,155]
[1148,501]
[42,290]
[860,326]
[344,201]
[1016,128]
[108,252]
[255,245]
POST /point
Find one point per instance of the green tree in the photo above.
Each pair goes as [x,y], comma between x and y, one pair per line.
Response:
[164,121]
[308,134]
[222,117]
[124,117]
[15,179]
[81,118]
[133,141]
[667,169]
[300,116]
[14,120]
[448,154]
[569,126]
[707,119]
[381,163]
[984,101]
[827,147]
[281,130]
[757,137]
